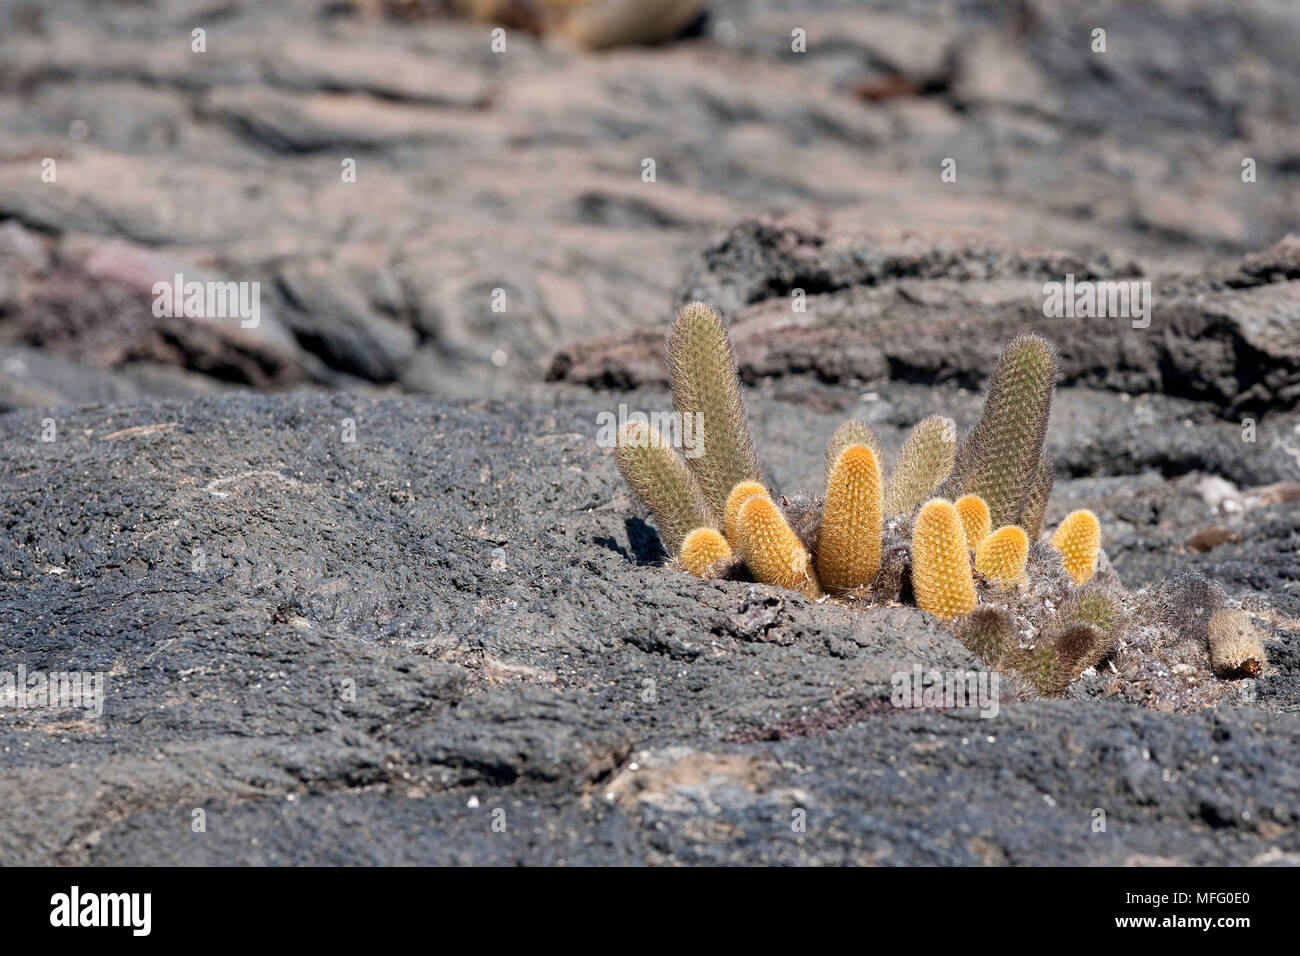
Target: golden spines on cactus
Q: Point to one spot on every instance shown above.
(1235, 647)
(703, 552)
(771, 550)
(975, 520)
(1002, 555)
(659, 477)
(941, 572)
(851, 432)
(706, 386)
(848, 544)
(1079, 540)
(924, 461)
(739, 495)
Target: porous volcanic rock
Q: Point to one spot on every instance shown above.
(370, 651)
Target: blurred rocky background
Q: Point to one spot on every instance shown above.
(522, 171)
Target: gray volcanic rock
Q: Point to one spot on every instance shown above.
(37, 377)
(522, 172)
(924, 309)
(92, 302)
(372, 651)
(367, 628)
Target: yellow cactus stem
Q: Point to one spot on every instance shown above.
(662, 481)
(975, 520)
(743, 491)
(848, 545)
(706, 390)
(771, 550)
(1079, 540)
(852, 432)
(703, 551)
(1002, 555)
(1235, 646)
(941, 571)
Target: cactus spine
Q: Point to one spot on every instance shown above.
(1031, 516)
(848, 548)
(1079, 541)
(703, 552)
(999, 459)
(1041, 666)
(989, 633)
(771, 550)
(1094, 607)
(975, 520)
(851, 432)
(941, 572)
(1002, 555)
(702, 368)
(924, 461)
(657, 476)
(739, 495)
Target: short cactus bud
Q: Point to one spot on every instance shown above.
(1235, 647)
(1002, 555)
(704, 552)
(1078, 646)
(941, 571)
(1041, 666)
(1095, 607)
(975, 520)
(771, 550)
(1079, 541)
(739, 495)
(990, 633)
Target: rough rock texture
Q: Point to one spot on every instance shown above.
(522, 172)
(927, 309)
(353, 625)
(481, 575)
